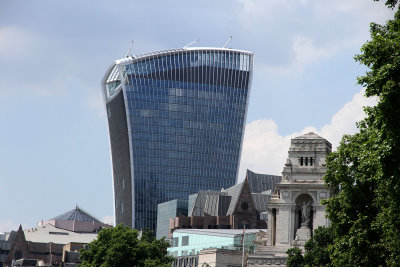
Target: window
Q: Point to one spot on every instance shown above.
(175, 241)
(185, 240)
(306, 161)
(245, 206)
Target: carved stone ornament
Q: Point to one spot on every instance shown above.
(266, 261)
(261, 238)
(276, 194)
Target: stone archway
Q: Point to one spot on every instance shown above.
(304, 215)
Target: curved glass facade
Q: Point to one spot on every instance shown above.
(182, 129)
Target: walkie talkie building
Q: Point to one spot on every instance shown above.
(176, 120)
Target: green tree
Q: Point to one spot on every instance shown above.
(295, 258)
(317, 247)
(364, 172)
(121, 246)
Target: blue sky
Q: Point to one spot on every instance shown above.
(54, 148)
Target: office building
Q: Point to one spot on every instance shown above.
(166, 210)
(176, 120)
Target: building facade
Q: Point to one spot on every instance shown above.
(170, 209)
(237, 207)
(51, 240)
(295, 209)
(176, 121)
(187, 242)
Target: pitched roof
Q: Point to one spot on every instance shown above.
(260, 201)
(199, 202)
(234, 193)
(262, 183)
(77, 214)
(216, 203)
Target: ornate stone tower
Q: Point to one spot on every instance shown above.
(295, 209)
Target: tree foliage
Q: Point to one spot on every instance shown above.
(316, 250)
(121, 246)
(364, 172)
(317, 247)
(295, 258)
(390, 3)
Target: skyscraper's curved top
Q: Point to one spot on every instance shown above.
(176, 121)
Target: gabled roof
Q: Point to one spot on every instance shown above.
(216, 203)
(262, 183)
(200, 202)
(76, 214)
(260, 201)
(234, 193)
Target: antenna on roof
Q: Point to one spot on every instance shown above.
(129, 51)
(191, 43)
(227, 42)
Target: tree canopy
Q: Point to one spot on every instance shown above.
(317, 247)
(295, 258)
(364, 172)
(316, 250)
(121, 246)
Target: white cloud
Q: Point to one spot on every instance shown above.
(108, 220)
(306, 52)
(315, 30)
(265, 150)
(343, 122)
(362, 11)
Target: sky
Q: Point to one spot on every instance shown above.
(54, 146)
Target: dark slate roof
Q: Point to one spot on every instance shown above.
(76, 214)
(262, 183)
(260, 201)
(199, 199)
(216, 203)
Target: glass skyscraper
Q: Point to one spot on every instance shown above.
(176, 120)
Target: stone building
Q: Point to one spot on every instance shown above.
(237, 207)
(47, 242)
(295, 208)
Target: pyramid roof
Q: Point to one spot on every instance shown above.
(76, 214)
